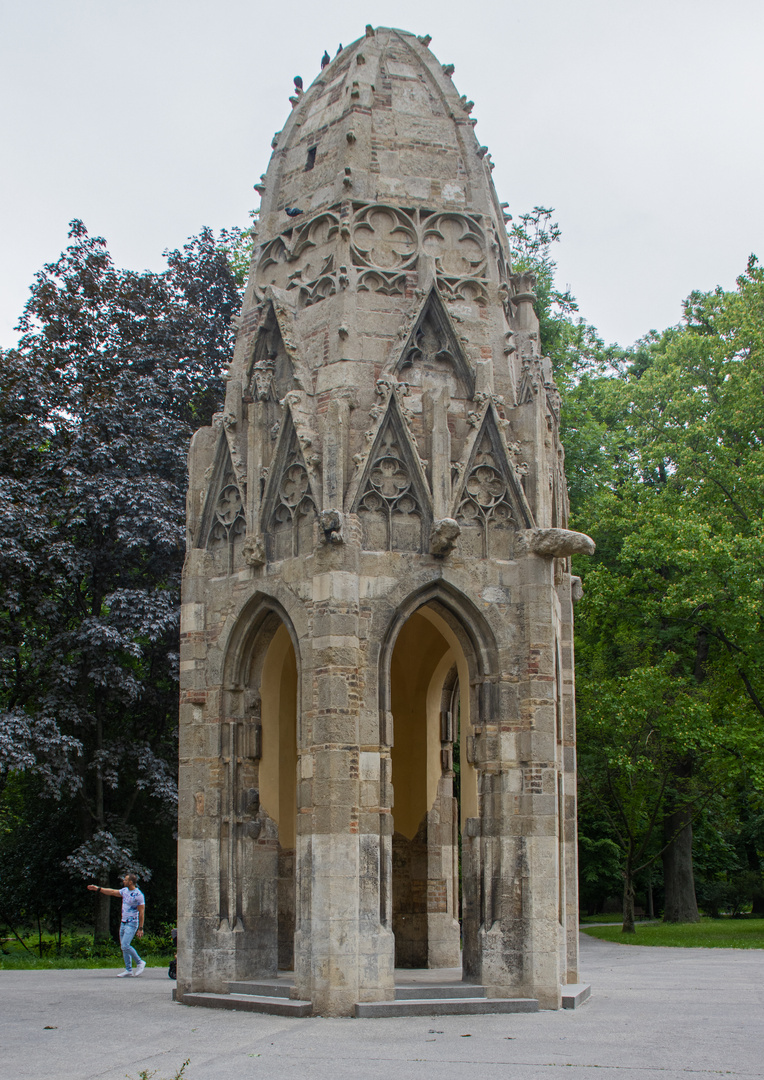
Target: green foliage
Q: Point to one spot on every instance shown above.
(114, 372)
(599, 868)
(238, 245)
(530, 242)
(667, 475)
(664, 454)
(24, 951)
(36, 835)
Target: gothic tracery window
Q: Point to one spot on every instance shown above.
(485, 511)
(229, 524)
(389, 509)
(294, 514)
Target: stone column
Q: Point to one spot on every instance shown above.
(340, 950)
(518, 951)
(569, 809)
(202, 964)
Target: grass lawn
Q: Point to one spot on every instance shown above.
(611, 917)
(25, 962)
(707, 934)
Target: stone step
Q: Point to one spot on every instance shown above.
(575, 994)
(262, 988)
(259, 1003)
(457, 990)
(462, 1006)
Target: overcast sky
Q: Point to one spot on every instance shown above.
(639, 121)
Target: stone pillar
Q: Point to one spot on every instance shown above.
(343, 954)
(442, 900)
(199, 796)
(518, 941)
(569, 810)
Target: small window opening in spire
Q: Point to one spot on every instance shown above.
(311, 158)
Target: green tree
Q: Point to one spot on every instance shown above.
(668, 476)
(113, 373)
(664, 462)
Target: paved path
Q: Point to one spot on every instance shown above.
(672, 1014)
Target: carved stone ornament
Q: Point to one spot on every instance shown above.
(228, 506)
(470, 289)
(389, 283)
(254, 550)
(524, 286)
(443, 536)
(307, 255)
(486, 502)
(531, 380)
(559, 543)
(227, 524)
(384, 238)
(387, 385)
(389, 507)
(457, 244)
(294, 490)
(262, 378)
(313, 292)
(331, 524)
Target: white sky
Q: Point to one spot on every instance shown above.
(639, 121)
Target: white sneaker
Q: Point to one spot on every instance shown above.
(123, 974)
(139, 970)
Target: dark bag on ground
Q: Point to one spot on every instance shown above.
(172, 970)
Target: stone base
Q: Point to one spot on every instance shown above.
(575, 994)
(274, 1006)
(471, 1006)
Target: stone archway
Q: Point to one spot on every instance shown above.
(259, 793)
(433, 698)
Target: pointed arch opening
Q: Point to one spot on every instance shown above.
(258, 831)
(434, 670)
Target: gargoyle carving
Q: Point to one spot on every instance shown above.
(443, 536)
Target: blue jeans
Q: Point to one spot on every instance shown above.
(126, 935)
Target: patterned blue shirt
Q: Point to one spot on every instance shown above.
(131, 901)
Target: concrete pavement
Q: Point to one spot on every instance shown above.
(663, 1013)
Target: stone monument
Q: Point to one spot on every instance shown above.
(377, 742)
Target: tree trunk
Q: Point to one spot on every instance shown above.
(754, 865)
(681, 906)
(102, 904)
(102, 913)
(628, 900)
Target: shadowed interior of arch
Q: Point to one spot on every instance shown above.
(278, 768)
(429, 693)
